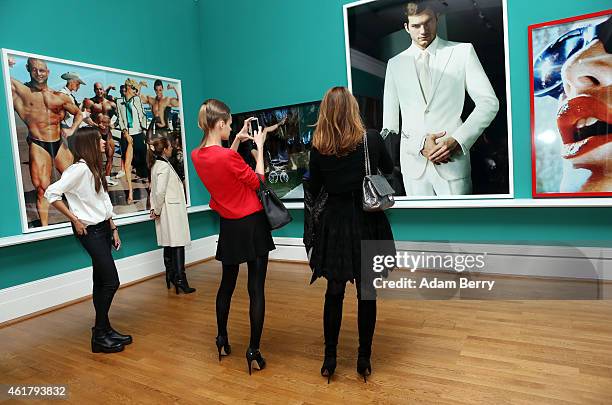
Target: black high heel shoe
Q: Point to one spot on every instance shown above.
(253, 355)
(364, 367)
(223, 346)
(329, 363)
(181, 284)
(102, 343)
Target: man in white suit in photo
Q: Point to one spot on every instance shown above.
(427, 84)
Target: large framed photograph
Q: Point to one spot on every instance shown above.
(287, 147)
(433, 77)
(571, 106)
(49, 99)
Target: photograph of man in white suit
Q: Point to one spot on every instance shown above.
(427, 83)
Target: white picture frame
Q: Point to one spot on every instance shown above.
(446, 201)
(129, 217)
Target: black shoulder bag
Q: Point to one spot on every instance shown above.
(278, 215)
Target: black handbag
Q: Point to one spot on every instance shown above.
(276, 212)
(377, 193)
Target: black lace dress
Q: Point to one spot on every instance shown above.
(335, 223)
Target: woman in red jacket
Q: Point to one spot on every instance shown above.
(244, 232)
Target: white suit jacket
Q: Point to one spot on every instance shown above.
(455, 68)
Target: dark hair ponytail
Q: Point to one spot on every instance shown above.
(155, 149)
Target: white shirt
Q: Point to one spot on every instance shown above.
(418, 54)
(431, 50)
(77, 184)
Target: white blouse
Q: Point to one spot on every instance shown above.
(77, 184)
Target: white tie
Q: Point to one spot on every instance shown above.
(425, 75)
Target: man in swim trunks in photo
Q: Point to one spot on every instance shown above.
(42, 109)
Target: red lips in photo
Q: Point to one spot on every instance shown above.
(583, 123)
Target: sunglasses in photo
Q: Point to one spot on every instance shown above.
(549, 63)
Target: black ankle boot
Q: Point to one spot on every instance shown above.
(168, 266)
(364, 367)
(178, 265)
(119, 337)
(223, 346)
(255, 360)
(101, 342)
(329, 362)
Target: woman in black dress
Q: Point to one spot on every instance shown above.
(337, 168)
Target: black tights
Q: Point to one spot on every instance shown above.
(257, 279)
(332, 317)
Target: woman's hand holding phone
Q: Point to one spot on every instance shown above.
(245, 133)
(260, 138)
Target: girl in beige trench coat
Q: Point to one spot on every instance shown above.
(169, 209)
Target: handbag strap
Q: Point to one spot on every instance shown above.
(262, 184)
(367, 154)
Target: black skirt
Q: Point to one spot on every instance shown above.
(244, 239)
(343, 225)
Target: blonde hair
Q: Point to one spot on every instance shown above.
(129, 82)
(339, 126)
(211, 112)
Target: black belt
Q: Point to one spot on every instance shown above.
(100, 225)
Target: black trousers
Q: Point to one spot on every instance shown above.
(257, 308)
(332, 317)
(97, 243)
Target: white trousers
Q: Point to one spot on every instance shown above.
(432, 184)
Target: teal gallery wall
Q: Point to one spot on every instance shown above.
(258, 54)
(121, 34)
(300, 54)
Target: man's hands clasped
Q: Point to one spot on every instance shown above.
(439, 148)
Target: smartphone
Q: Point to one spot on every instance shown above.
(254, 125)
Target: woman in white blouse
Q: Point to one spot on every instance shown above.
(90, 213)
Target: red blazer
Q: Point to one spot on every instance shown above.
(229, 180)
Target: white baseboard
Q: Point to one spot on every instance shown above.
(35, 296)
(518, 260)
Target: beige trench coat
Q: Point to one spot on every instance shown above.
(168, 201)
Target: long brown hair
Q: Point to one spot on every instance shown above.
(211, 112)
(156, 148)
(87, 147)
(339, 126)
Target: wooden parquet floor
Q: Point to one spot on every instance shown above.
(425, 352)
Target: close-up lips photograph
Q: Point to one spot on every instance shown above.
(572, 106)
